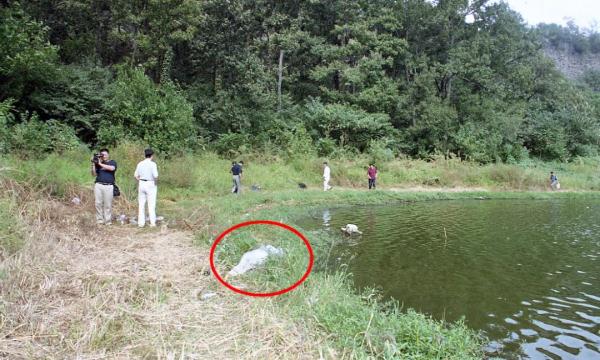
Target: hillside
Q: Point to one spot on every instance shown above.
(572, 64)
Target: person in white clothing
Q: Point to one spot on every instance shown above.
(326, 176)
(146, 173)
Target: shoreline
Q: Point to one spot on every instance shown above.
(338, 320)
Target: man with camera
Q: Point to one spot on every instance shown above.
(104, 170)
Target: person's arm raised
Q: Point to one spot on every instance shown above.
(107, 167)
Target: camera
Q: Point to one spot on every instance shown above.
(96, 159)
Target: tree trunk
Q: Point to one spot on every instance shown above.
(279, 80)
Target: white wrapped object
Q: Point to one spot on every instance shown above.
(254, 258)
(351, 229)
(207, 296)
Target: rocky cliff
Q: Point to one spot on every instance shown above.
(571, 63)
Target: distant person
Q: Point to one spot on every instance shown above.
(554, 184)
(236, 173)
(104, 170)
(372, 174)
(326, 176)
(146, 173)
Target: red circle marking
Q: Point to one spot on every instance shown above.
(261, 222)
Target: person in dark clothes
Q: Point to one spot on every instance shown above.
(554, 185)
(104, 170)
(236, 173)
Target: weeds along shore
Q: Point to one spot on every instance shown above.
(324, 317)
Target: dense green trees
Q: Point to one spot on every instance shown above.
(413, 76)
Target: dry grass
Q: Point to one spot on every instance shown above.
(80, 291)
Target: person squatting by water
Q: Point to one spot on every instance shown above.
(554, 185)
(372, 174)
(236, 174)
(326, 176)
(104, 170)
(146, 173)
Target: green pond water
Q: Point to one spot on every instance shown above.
(525, 273)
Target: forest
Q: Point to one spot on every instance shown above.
(411, 78)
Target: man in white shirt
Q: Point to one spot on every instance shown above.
(146, 173)
(326, 176)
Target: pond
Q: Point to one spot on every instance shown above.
(525, 273)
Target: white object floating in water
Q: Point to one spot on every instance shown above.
(254, 258)
(351, 229)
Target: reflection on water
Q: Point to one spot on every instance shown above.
(326, 218)
(524, 272)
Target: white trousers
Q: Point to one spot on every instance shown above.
(326, 184)
(147, 192)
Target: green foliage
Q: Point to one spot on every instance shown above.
(412, 74)
(592, 79)
(570, 38)
(62, 137)
(295, 142)
(27, 60)
(30, 138)
(158, 115)
(78, 96)
(231, 144)
(6, 118)
(34, 138)
(325, 146)
(348, 125)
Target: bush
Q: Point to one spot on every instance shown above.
(6, 118)
(34, 138)
(348, 125)
(325, 146)
(62, 137)
(158, 115)
(30, 138)
(297, 142)
(379, 151)
(231, 144)
(110, 135)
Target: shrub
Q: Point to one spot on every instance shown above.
(231, 144)
(6, 118)
(325, 146)
(62, 137)
(158, 115)
(297, 142)
(30, 138)
(379, 151)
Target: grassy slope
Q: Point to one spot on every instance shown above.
(195, 189)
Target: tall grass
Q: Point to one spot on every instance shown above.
(208, 174)
(11, 229)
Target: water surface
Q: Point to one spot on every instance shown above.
(526, 273)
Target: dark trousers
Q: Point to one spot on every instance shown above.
(371, 183)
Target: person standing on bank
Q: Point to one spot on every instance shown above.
(372, 173)
(554, 185)
(104, 170)
(326, 176)
(236, 173)
(146, 173)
